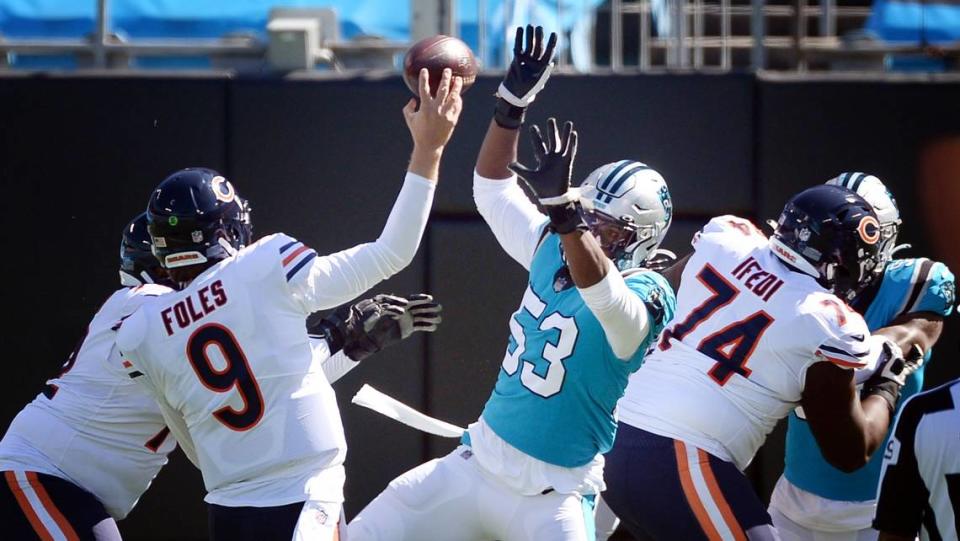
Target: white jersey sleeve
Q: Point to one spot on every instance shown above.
(514, 220)
(729, 230)
(318, 283)
(845, 338)
(620, 311)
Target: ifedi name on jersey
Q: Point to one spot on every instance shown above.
(762, 283)
(185, 312)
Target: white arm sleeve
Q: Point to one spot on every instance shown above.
(514, 220)
(620, 311)
(336, 278)
(334, 366)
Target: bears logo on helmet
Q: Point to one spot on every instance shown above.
(869, 229)
(872, 189)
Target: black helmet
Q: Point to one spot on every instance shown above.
(138, 265)
(195, 217)
(832, 234)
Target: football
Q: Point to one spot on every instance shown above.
(436, 53)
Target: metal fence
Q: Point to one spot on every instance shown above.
(638, 35)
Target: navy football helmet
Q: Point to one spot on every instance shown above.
(876, 193)
(832, 234)
(138, 265)
(195, 217)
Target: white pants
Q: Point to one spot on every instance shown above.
(791, 531)
(452, 499)
(607, 521)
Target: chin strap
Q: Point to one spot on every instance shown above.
(898, 248)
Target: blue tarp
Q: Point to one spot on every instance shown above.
(915, 23)
(214, 18)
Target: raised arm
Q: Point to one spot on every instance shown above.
(325, 282)
(514, 220)
(622, 314)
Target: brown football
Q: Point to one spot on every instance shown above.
(436, 53)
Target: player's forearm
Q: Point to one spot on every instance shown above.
(407, 221)
(336, 366)
(425, 162)
(621, 313)
(338, 277)
(920, 330)
(585, 259)
(498, 150)
(877, 419)
(849, 446)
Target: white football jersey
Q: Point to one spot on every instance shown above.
(733, 361)
(231, 357)
(92, 425)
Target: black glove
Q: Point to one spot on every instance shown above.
(527, 75)
(550, 181)
(891, 374)
(369, 325)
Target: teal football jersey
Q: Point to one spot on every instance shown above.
(908, 286)
(560, 381)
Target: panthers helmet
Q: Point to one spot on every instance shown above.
(873, 190)
(627, 206)
(195, 217)
(138, 265)
(831, 234)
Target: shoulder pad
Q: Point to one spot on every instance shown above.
(929, 285)
(832, 314)
(729, 224)
(266, 255)
(132, 331)
(150, 290)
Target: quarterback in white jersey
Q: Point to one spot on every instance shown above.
(228, 357)
(79, 456)
(761, 327)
